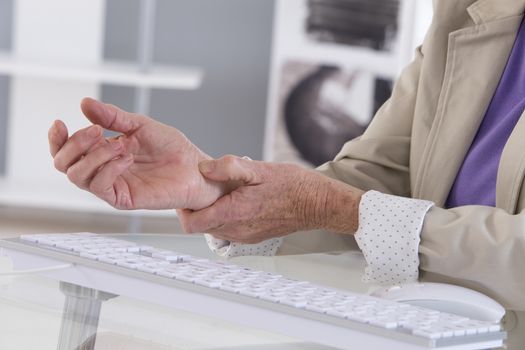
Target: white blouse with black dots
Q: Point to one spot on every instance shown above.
(388, 235)
(229, 249)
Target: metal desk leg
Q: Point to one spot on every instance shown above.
(80, 318)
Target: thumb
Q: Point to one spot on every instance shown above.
(230, 168)
(110, 117)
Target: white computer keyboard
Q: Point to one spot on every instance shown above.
(418, 325)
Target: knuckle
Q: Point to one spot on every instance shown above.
(59, 164)
(229, 160)
(252, 176)
(110, 149)
(73, 175)
(95, 188)
(81, 139)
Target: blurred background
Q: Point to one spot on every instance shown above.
(280, 80)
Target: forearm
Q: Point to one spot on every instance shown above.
(325, 203)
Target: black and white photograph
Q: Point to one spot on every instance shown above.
(321, 107)
(334, 64)
(366, 23)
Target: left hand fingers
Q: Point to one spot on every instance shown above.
(106, 186)
(57, 136)
(85, 169)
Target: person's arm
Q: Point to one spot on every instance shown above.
(479, 247)
(273, 201)
(475, 246)
(377, 160)
(149, 165)
(278, 199)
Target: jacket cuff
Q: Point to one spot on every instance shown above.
(229, 249)
(388, 235)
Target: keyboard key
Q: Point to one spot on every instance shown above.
(30, 238)
(495, 328)
(427, 334)
(165, 273)
(384, 323)
(208, 283)
(298, 303)
(127, 264)
(146, 268)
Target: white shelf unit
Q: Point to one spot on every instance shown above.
(107, 72)
(57, 60)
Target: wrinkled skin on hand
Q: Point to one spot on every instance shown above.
(150, 165)
(272, 200)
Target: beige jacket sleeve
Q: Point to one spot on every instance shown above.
(479, 247)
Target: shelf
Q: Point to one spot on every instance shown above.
(64, 197)
(108, 72)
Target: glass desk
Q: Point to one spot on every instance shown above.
(41, 313)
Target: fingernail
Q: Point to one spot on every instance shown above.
(94, 131)
(56, 126)
(206, 166)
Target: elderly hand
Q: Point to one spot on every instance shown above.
(272, 200)
(149, 166)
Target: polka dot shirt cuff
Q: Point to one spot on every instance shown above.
(229, 249)
(389, 235)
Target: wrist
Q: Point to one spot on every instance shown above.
(325, 203)
(343, 208)
(311, 201)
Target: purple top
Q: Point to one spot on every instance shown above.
(475, 183)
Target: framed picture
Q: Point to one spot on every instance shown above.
(321, 107)
(334, 63)
(362, 23)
